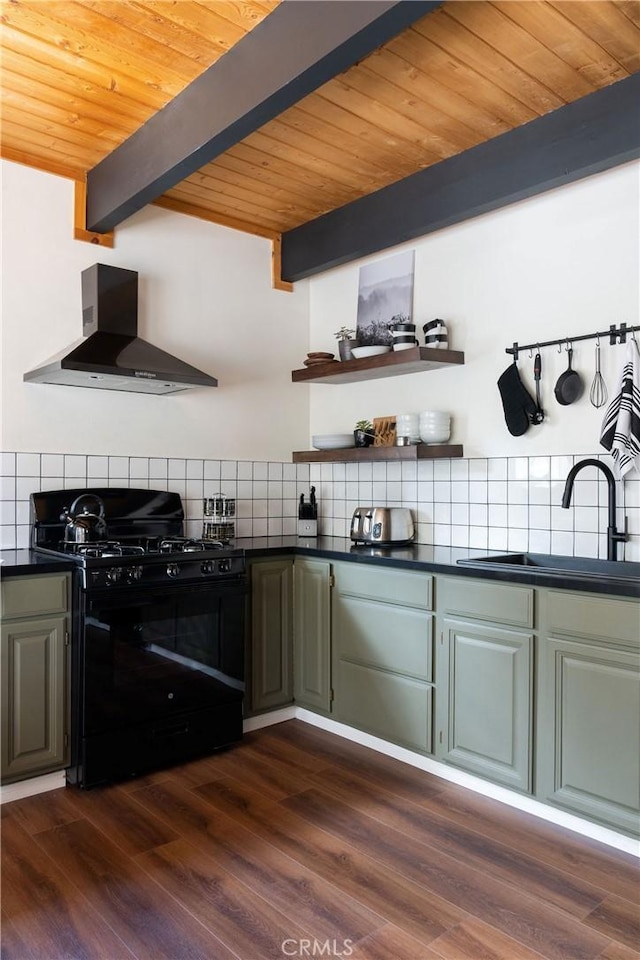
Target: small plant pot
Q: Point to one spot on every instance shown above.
(345, 347)
(362, 438)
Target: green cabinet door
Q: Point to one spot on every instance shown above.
(312, 634)
(484, 683)
(271, 633)
(589, 732)
(33, 697)
(588, 729)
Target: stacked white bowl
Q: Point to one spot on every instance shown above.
(435, 426)
(408, 425)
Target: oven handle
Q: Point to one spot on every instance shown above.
(146, 596)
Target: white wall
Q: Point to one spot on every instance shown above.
(561, 264)
(205, 295)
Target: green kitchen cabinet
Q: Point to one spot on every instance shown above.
(271, 633)
(312, 634)
(484, 677)
(588, 736)
(34, 687)
(383, 653)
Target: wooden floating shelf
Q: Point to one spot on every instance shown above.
(393, 364)
(419, 451)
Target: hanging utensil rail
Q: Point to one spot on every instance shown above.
(615, 334)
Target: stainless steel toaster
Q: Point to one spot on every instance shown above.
(382, 525)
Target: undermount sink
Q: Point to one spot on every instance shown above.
(551, 564)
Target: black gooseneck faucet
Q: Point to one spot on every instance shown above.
(614, 536)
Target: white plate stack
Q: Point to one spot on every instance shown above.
(408, 425)
(435, 426)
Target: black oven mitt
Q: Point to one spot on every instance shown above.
(519, 406)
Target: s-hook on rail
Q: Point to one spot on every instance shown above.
(615, 334)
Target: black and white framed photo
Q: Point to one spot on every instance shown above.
(385, 295)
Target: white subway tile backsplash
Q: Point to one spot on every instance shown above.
(478, 514)
(195, 469)
(460, 502)
(539, 517)
(195, 489)
(25, 486)
(7, 488)
(518, 468)
(478, 470)
(22, 512)
(97, 467)
(158, 468)
(498, 515)
(8, 537)
(497, 491)
(261, 471)
(459, 470)
(7, 512)
(28, 465)
(177, 470)
(211, 469)
(478, 491)
(8, 465)
(497, 468)
(518, 540)
(518, 514)
(75, 466)
(460, 514)
(540, 541)
(52, 465)
(459, 491)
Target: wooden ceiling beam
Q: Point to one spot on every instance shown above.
(595, 133)
(292, 52)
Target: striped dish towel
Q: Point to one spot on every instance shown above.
(621, 425)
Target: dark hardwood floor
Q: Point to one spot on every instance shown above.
(296, 843)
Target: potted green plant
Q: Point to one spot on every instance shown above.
(346, 340)
(363, 434)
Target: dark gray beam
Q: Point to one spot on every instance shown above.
(588, 136)
(293, 51)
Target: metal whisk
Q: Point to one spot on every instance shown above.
(598, 394)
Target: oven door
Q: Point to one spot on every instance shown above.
(150, 655)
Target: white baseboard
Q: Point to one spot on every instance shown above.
(268, 719)
(29, 788)
(527, 804)
(53, 781)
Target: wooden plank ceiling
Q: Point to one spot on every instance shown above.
(79, 76)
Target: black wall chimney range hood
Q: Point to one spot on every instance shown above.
(113, 356)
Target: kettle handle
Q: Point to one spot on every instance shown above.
(70, 513)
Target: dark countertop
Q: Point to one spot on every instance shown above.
(433, 559)
(418, 556)
(19, 563)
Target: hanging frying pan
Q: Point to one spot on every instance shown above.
(569, 387)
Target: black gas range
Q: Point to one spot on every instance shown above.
(144, 545)
(157, 671)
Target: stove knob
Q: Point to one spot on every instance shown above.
(173, 569)
(208, 566)
(134, 574)
(113, 575)
(225, 566)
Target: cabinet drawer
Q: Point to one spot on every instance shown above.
(379, 635)
(594, 617)
(496, 602)
(384, 583)
(395, 708)
(34, 596)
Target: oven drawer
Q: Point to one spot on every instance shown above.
(129, 752)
